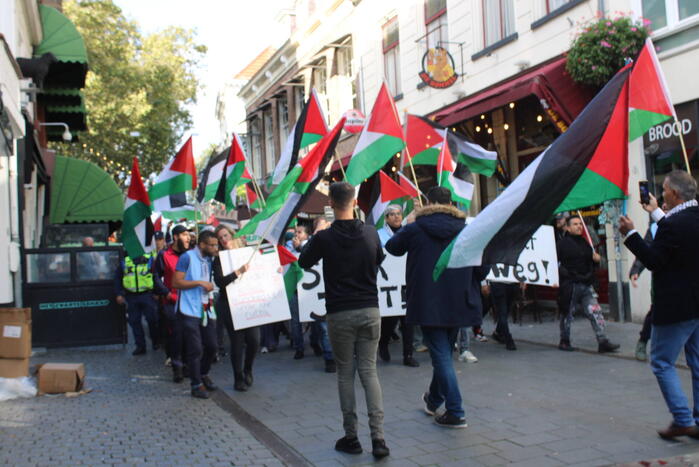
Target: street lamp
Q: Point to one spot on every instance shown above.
(67, 136)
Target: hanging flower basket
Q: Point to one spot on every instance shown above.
(602, 48)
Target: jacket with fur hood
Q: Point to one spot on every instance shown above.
(454, 300)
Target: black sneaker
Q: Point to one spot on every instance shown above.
(208, 384)
(139, 351)
(247, 377)
(298, 355)
(348, 445)
(379, 448)
(450, 421)
(199, 392)
(429, 409)
(240, 386)
(566, 347)
(317, 351)
(410, 361)
(384, 354)
(330, 366)
(177, 376)
(605, 346)
(510, 344)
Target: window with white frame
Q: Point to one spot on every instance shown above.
(391, 56)
(553, 5)
(283, 118)
(437, 33)
(269, 141)
(343, 59)
(256, 137)
(498, 20)
(669, 13)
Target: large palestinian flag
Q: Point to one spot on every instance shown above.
(424, 140)
(169, 193)
(234, 174)
(649, 98)
(291, 270)
(286, 200)
(210, 177)
(309, 129)
(384, 192)
(454, 176)
(499, 233)
(380, 139)
(407, 185)
(137, 227)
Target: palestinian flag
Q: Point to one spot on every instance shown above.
(286, 200)
(380, 139)
(499, 233)
(251, 197)
(291, 270)
(309, 129)
(234, 174)
(158, 224)
(454, 176)
(407, 185)
(210, 177)
(137, 227)
(384, 192)
(169, 193)
(424, 140)
(649, 98)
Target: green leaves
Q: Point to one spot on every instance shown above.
(602, 48)
(137, 89)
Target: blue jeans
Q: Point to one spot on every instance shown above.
(140, 306)
(444, 387)
(666, 344)
(296, 331)
(464, 339)
(319, 335)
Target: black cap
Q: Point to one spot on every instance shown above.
(178, 229)
(159, 235)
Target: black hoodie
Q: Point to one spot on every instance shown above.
(351, 254)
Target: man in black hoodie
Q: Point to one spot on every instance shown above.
(440, 307)
(351, 254)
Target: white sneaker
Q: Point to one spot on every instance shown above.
(467, 356)
(168, 362)
(264, 350)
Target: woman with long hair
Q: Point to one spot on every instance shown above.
(250, 337)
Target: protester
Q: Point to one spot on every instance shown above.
(464, 346)
(351, 254)
(165, 265)
(134, 287)
(242, 362)
(193, 277)
(504, 297)
(673, 256)
(443, 306)
(393, 218)
(160, 244)
(560, 228)
(576, 260)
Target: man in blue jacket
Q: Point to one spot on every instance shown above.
(441, 307)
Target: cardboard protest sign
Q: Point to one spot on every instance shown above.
(258, 297)
(390, 284)
(537, 264)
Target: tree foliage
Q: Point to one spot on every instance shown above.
(137, 89)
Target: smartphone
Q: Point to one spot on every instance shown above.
(644, 191)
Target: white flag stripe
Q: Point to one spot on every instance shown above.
(282, 167)
(474, 150)
(462, 188)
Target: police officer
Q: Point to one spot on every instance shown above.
(135, 287)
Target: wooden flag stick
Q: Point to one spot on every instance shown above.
(684, 148)
(257, 188)
(587, 232)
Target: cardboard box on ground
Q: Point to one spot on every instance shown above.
(57, 378)
(15, 341)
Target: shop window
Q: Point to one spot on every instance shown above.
(96, 265)
(436, 24)
(48, 267)
(498, 20)
(391, 56)
(534, 130)
(669, 13)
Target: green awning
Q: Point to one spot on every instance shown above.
(60, 97)
(82, 192)
(62, 39)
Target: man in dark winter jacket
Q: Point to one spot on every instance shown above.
(577, 273)
(441, 307)
(351, 254)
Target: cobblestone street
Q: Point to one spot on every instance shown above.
(536, 406)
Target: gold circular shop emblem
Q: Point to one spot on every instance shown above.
(438, 68)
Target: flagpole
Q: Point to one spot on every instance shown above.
(256, 187)
(410, 159)
(585, 228)
(684, 148)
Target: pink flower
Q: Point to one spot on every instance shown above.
(634, 29)
(646, 22)
(609, 23)
(605, 44)
(593, 67)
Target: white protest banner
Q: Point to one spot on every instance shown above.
(537, 264)
(390, 284)
(258, 297)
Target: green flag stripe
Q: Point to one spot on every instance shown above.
(134, 215)
(590, 189)
(479, 165)
(309, 138)
(210, 190)
(640, 121)
(426, 157)
(367, 162)
(177, 184)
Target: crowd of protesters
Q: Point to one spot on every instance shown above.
(180, 291)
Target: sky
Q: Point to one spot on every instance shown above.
(234, 31)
